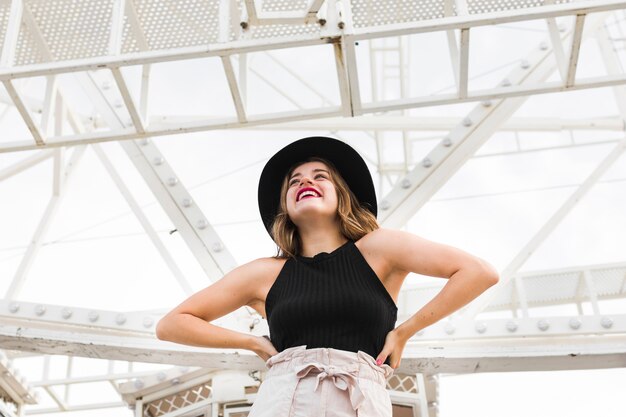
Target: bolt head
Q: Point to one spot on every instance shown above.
(511, 326)
(606, 322)
(93, 316)
(120, 319)
(543, 325)
(66, 313)
(481, 327)
(575, 323)
(40, 309)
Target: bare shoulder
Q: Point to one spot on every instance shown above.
(265, 267)
(264, 272)
(244, 285)
(405, 251)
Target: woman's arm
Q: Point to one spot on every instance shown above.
(188, 323)
(468, 276)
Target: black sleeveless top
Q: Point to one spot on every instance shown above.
(332, 300)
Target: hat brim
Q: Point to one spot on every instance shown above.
(346, 159)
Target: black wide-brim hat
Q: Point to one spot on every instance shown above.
(346, 159)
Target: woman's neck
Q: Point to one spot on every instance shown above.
(319, 240)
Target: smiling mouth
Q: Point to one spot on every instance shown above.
(308, 194)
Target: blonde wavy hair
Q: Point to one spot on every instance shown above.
(355, 221)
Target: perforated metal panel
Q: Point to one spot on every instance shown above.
(74, 29)
(551, 287)
(173, 24)
(71, 29)
(486, 6)
(402, 383)
(610, 281)
(177, 401)
(5, 8)
(378, 13)
(284, 5)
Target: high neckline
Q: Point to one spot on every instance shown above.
(323, 255)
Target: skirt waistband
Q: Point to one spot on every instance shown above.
(329, 360)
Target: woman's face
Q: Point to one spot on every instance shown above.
(311, 193)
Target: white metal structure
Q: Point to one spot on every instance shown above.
(86, 80)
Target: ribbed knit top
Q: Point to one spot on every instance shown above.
(332, 300)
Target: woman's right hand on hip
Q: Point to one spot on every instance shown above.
(264, 348)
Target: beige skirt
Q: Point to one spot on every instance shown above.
(323, 382)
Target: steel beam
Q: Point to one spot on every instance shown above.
(145, 223)
(447, 354)
(12, 33)
(35, 244)
(477, 305)
(189, 220)
(409, 194)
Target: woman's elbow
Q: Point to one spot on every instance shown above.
(486, 273)
(490, 274)
(161, 328)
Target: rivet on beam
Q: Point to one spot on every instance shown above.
(606, 322)
(120, 319)
(481, 327)
(575, 323)
(66, 313)
(511, 326)
(93, 316)
(40, 309)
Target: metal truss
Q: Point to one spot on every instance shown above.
(528, 290)
(342, 29)
(126, 33)
(421, 183)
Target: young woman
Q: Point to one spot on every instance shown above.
(330, 293)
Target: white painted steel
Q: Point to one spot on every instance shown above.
(558, 348)
(190, 222)
(21, 273)
(423, 181)
(145, 223)
(11, 35)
